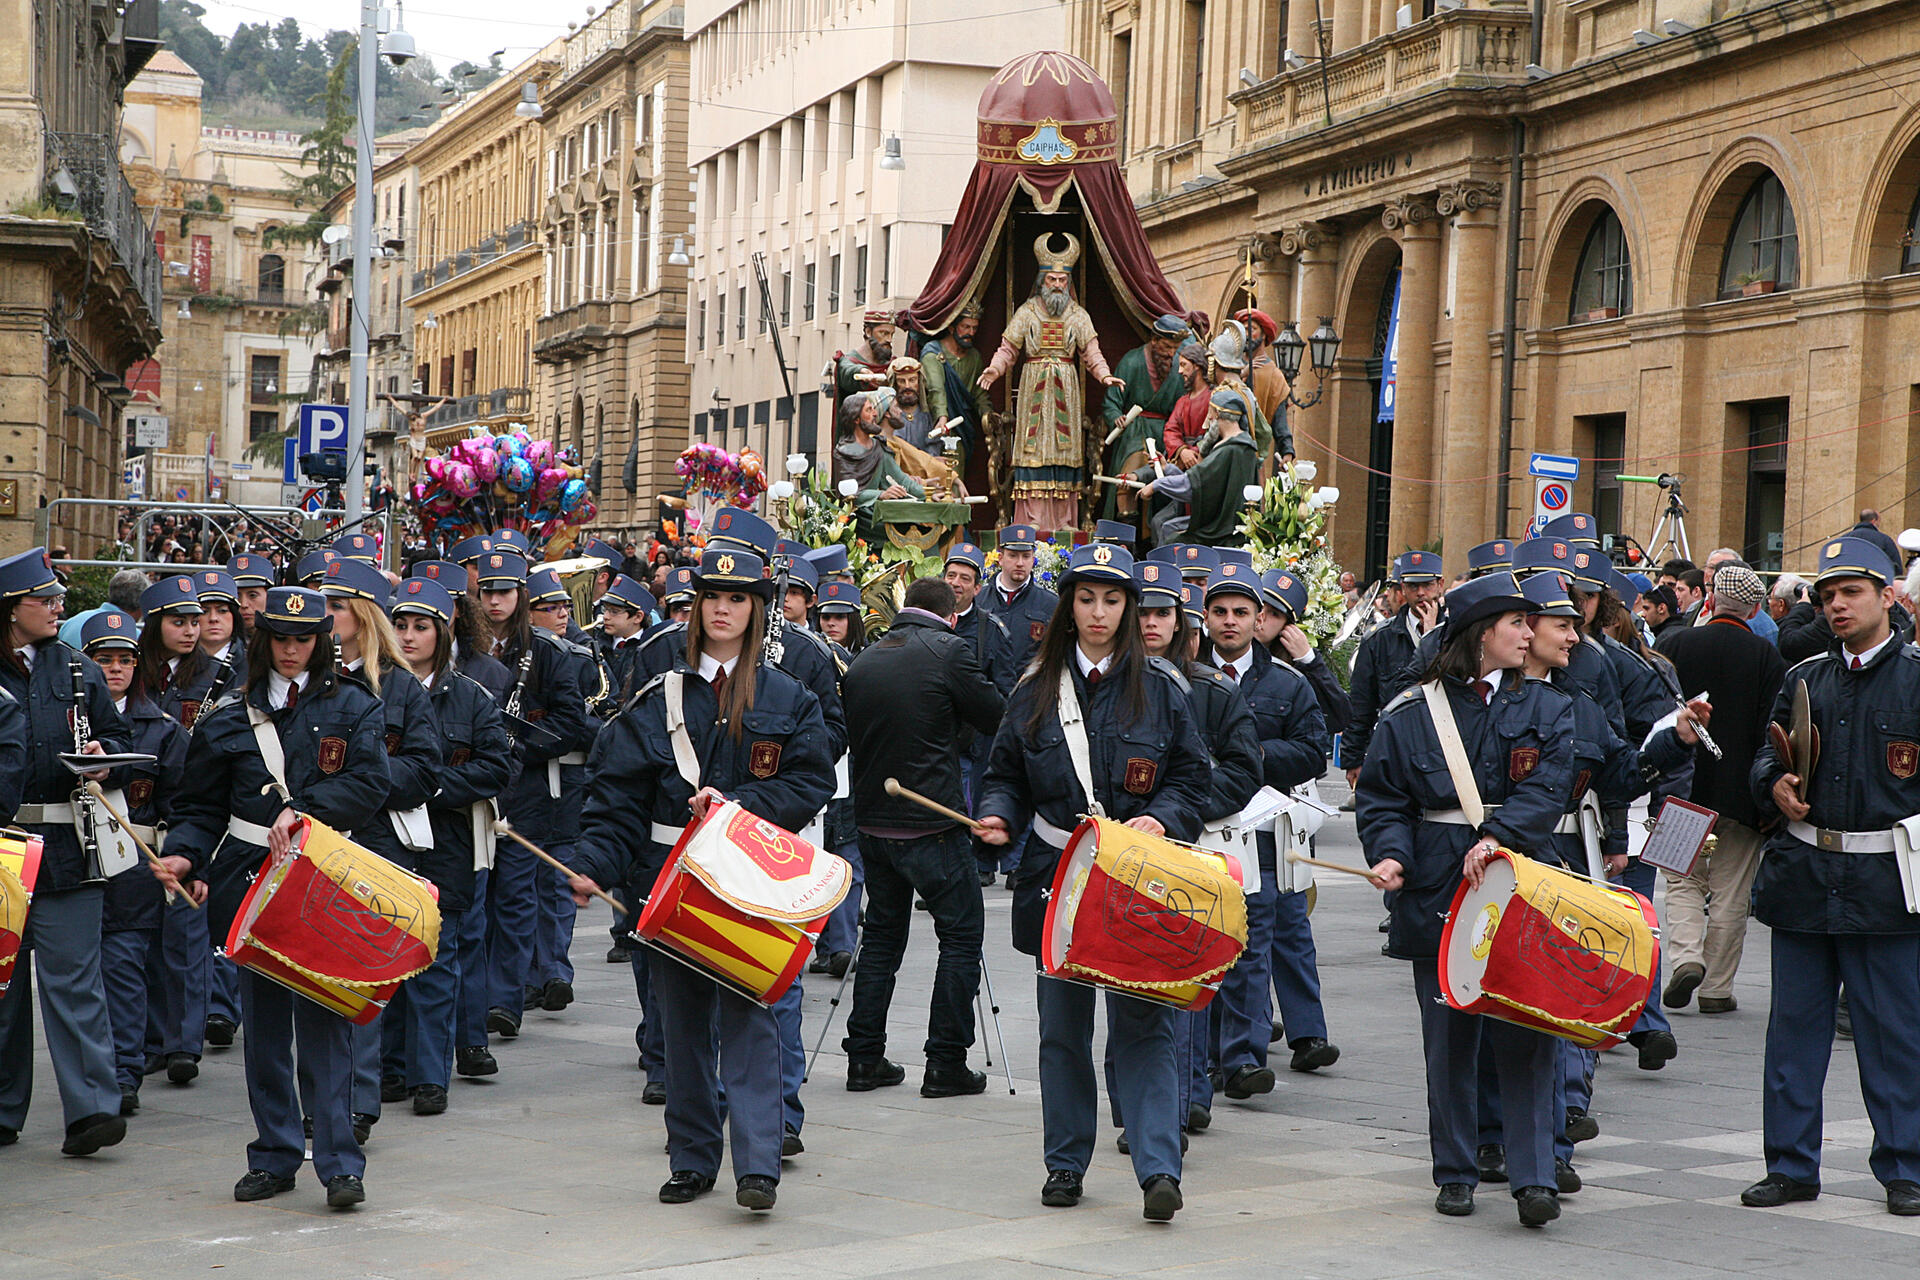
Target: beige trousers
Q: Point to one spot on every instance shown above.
(1713, 936)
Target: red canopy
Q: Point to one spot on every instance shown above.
(1048, 153)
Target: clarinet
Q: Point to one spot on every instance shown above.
(775, 648)
(519, 685)
(82, 802)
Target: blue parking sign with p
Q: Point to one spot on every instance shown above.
(322, 427)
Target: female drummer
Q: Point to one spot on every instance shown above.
(1149, 769)
(760, 740)
(230, 815)
(1517, 739)
(367, 651)
(417, 1026)
(172, 667)
(136, 906)
(1227, 727)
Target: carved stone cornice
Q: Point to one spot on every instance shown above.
(1408, 211)
(1467, 195)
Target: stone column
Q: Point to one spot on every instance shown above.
(1472, 440)
(1349, 24)
(1302, 37)
(1414, 452)
(1317, 246)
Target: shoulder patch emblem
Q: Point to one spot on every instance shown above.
(1903, 758)
(1521, 762)
(333, 754)
(1140, 776)
(764, 760)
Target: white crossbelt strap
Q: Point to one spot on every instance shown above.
(1842, 841)
(1456, 753)
(685, 758)
(251, 832)
(1049, 833)
(486, 839)
(553, 770)
(664, 834)
(1074, 725)
(271, 752)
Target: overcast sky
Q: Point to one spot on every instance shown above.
(447, 31)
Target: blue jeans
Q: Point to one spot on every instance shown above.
(843, 926)
(939, 865)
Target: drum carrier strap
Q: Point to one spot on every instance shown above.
(1074, 725)
(272, 754)
(1455, 751)
(685, 758)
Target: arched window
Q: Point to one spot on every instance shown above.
(1910, 239)
(1764, 249)
(1603, 279)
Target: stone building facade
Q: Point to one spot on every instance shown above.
(1669, 238)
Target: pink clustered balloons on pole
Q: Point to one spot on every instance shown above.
(714, 478)
(508, 481)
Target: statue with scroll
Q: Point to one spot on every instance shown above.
(1049, 426)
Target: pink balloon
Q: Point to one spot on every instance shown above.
(540, 454)
(549, 484)
(486, 465)
(461, 481)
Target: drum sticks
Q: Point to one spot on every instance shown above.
(120, 821)
(506, 829)
(893, 788)
(1365, 873)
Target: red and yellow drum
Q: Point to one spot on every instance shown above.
(743, 900)
(1542, 948)
(1143, 916)
(19, 870)
(336, 923)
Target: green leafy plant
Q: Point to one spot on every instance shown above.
(1287, 529)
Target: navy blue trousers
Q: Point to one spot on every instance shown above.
(842, 929)
(417, 1028)
(280, 1028)
(551, 961)
(743, 1057)
(1881, 973)
(470, 999)
(513, 922)
(1527, 1065)
(1146, 1078)
(123, 970)
(60, 949)
(1281, 960)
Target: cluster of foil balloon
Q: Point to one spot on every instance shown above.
(509, 481)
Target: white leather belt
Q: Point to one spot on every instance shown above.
(666, 835)
(1569, 825)
(574, 757)
(1842, 841)
(251, 832)
(44, 814)
(1454, 817)
(1049, 833)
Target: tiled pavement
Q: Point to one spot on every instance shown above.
(549, 1170)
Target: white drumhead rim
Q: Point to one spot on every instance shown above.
(1479, 916)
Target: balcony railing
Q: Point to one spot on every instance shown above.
(106, 201)
(499, 402)
(1459, 48)
(581, 328)
(490, 250)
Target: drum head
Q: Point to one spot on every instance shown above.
(1069, 883)
(1471, 925)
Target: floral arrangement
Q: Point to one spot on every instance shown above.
(1285, 528)
(509, 481)
(714, 478)
(1049, 562)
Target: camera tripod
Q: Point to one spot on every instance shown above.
(1669, 537)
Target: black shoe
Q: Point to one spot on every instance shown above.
(1198, 1117)
(1455, 1200)
(1777, 1189)
(1386, 949)
(362, 1128)
(1313, 1053)
(685, 1187)
(429, 1100)
(532, 998)
(156, 1063)
(863, 1077)
(1244, 1082)
(1718, 1004)
(258, 1184)
(1161, 1195)
(756, 1191)
(1680, 988)
(839, 962)
(955, 1081)
(618, 954)
(182, 1068)
(1387, 923)
(1566, 1178)
(345, 1191)
(1581, 1127)
(475, 1060)
(1349, 805)
(8, 1136)
(817, 965)
(1657, 1049)
(90, 1133)
(556, 995)
(220, 1031)
(1062, 1191)
(1903, 1198)
(393, 1089)
(1538, 1206)
(790, 1144)
(986, 879)
(920, 904)
(503, 1023)
(1491, 1161)
(655, 1094)
(1274, 1032)
(129, 1100)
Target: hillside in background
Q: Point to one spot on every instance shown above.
(273, 76)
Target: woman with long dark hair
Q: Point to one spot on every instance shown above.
(1517, 736)
(417, 1027)
(759, 739)
(1148, 768)
(172, 667)
(231, 815)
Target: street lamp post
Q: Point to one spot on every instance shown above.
(1320, 348)
(369, 62)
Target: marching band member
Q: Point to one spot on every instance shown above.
(676, 605)
(220, 635)
(470, 639)
(136, 906)
(838, 614)
(231, 814)
(1830, 889)
(759, 739)
(966, 572)
(252, 577)
(476, 763)
(1024, 608)
(1145, 766)
(546, 715)
(626, 610)
(368, 651)
(171, 663)
(61, 941)
(1390, 650)
(1517, 737)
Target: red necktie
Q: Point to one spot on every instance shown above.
(1233, 673)
(293, 695)
(1483, 691)
(719, 683)
(1093, 677)
(1856, 662)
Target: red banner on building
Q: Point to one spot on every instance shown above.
(202, 265)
